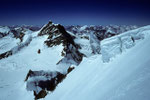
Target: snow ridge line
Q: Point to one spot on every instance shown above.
(16, 49)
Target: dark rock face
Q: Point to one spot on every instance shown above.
(46, 81)
(19, 35)
(57, 35)
(103, 34)
(41, 94)
(70, 69)
(39, 51)
(5, 54)
(52, 79)
(2, 35)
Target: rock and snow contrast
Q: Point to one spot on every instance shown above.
(74, 63)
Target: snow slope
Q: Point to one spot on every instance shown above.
(127, 77)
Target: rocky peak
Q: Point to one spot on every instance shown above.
(57, 35)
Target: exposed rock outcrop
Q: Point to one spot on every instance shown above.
(40, 82)
(57, 35)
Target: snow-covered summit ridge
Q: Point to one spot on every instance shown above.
(57, 35)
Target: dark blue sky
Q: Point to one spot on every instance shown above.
(73, 12)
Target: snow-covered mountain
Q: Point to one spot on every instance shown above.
(82, 63)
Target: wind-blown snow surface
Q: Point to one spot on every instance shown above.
(127, 77)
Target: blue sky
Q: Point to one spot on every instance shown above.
(73, 12)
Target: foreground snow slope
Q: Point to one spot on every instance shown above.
(127, 77)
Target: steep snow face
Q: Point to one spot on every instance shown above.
(116, 45)
(127, 77)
